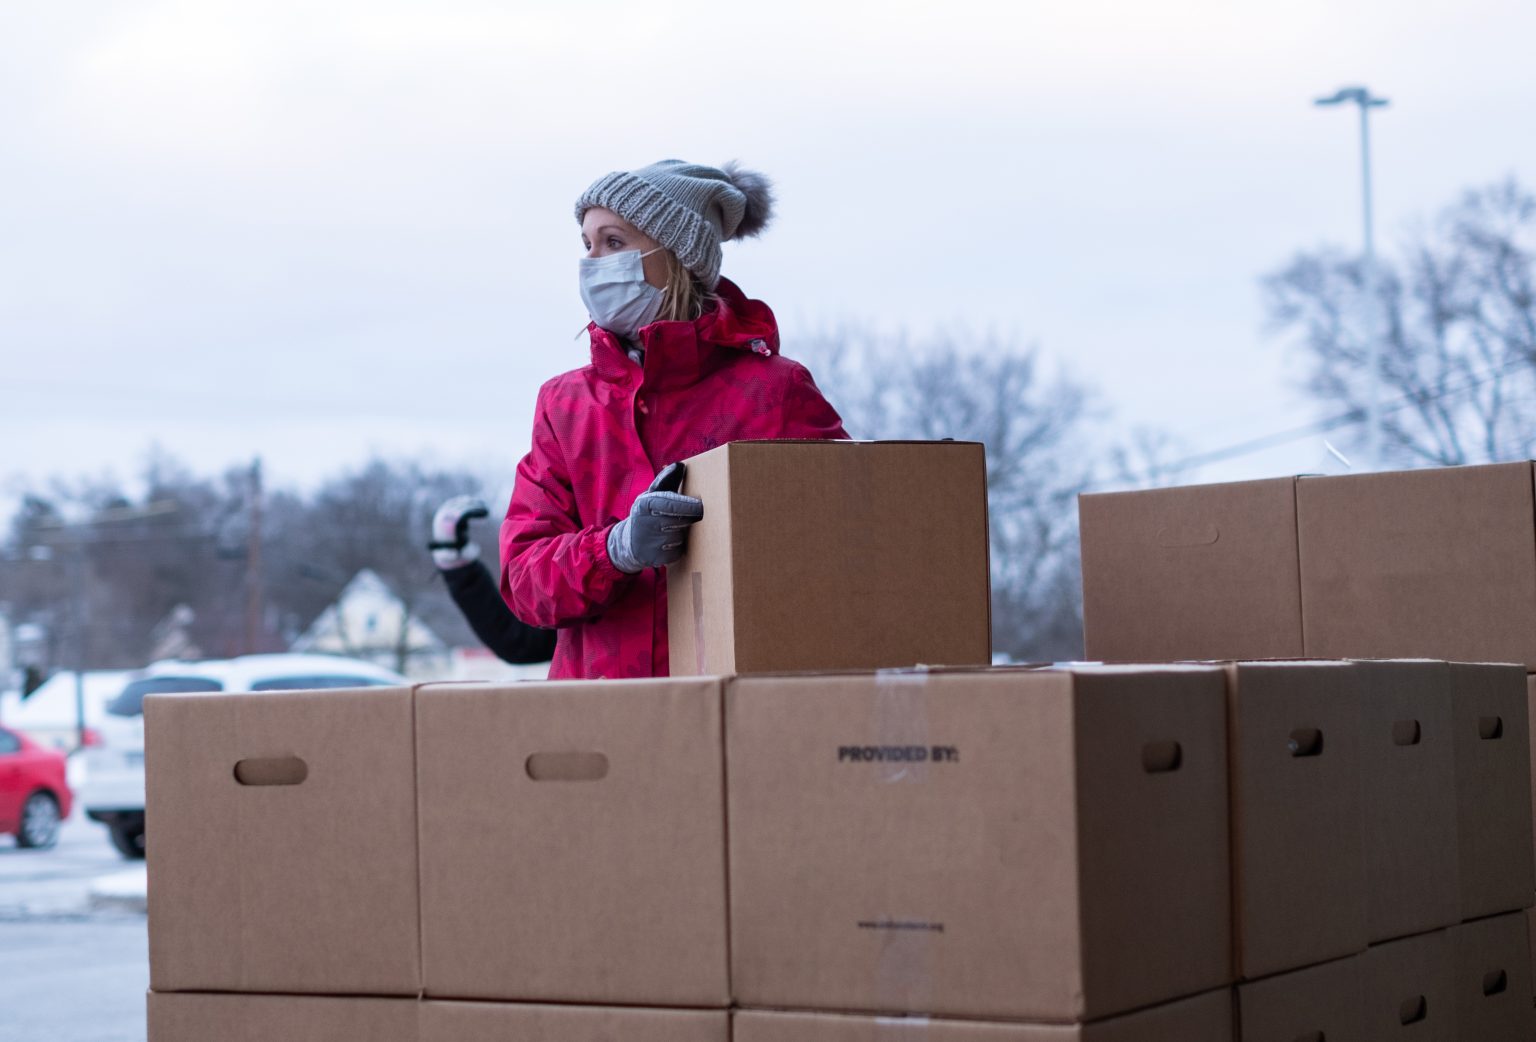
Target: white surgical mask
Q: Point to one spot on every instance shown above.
(616, 294)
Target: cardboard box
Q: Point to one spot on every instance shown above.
(1530, 930)
(205, 1017)
(501, 1022)
(1413, 564)
(1412, 846)
(1311, 1005)
(1206, 1018)
(1009, 844)
(1299, 882)
(1207, 572)
(1409, 990)
(1493, 788)
(1420, 564)
(573, 842)
(832, 555)
(1493, 979)
(283, 856)
(1530, 704)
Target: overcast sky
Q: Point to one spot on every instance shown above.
(312, 231)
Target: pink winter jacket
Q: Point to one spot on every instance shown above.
(600, 434)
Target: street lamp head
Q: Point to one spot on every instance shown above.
(1359, 95)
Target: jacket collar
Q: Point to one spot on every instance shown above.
(680, 353)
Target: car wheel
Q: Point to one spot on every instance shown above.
(128, 838)
(39, 822)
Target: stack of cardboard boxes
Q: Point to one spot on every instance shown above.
(1381, 850)
(1017, 855)
(454, 862)
(1437, 563)
(1161, 853)
(1024, 850)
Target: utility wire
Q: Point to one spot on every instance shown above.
(1323, 426)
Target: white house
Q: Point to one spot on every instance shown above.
(368, 621)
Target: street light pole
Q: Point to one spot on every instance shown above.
(1362, 97)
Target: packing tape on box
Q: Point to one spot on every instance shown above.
(904, 974)
(901, 724)
(901, 1027)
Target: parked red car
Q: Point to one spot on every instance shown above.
(34, 797)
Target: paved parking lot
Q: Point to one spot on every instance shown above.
(74, 954)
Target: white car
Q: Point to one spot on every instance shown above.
(113, 789)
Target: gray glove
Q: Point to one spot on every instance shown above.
(657, 526)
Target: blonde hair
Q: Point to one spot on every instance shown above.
(684, 298)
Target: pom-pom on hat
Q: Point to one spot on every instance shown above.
(687, 207)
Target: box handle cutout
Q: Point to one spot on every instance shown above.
(1406, 732)
(1495, 982)
(1413, 1010)
(1311, 1036)
(1306, 741)
(567, 766)
(1170, 538)
(1490, 728)
(1161, 757)
(278, 770)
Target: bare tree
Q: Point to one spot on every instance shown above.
(1151, 458)
(98, 571)
(374, 517)
(991, 390)
(1456, 316)
(101, 570)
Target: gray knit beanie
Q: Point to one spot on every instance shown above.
(688, 208)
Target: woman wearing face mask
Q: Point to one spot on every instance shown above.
(682, 361)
